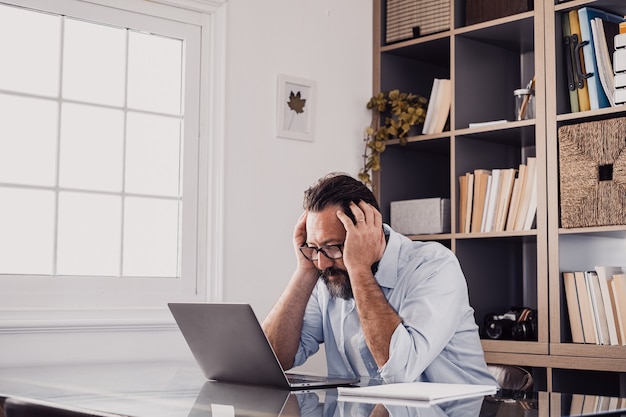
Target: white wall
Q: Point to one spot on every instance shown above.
(328, 41)
(323, 40)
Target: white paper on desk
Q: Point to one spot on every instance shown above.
(430, 392)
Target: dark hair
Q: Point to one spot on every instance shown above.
(337, 189)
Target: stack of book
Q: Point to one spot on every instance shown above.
(619, 65)
(438, 106)
(595, 30)
(585, 404)
(596, 305)
(498, 200)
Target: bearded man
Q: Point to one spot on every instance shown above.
(384, 306)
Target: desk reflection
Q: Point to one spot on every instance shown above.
(218, 399)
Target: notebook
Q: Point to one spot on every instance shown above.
(229, 345)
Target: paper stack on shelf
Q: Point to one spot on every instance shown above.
(619, 67)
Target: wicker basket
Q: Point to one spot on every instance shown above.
(407, 19)
(592, 165)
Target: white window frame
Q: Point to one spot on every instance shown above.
(39, 306)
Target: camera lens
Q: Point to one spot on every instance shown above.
(520, 331)
(494, 330)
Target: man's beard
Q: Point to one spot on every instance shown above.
(337, 287)
(342, 287)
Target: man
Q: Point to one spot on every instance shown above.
(383, 305)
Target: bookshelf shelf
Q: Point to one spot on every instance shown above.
(486, 62)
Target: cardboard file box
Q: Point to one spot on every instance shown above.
(423, 216)
(592, 173)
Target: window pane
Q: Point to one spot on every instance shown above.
(92, 142)
(37, 71)
(94, 63)
(153, 146)
(89, 234)
(26, 231)
(154, 73)
(151, 237)
(28, 149)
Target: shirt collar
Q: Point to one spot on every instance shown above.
(386, 276)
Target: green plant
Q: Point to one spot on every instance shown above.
(393, 115)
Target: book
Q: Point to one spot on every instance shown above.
(570, 63)
(581, 86)
(576, 405)
(573, 309)
(605, 276)
(468, 203)
(619, 41)
(462, 201)
(589, 404)
(444, 102)
(597, 306)
(483, 224)
(531, 210)
(525, 196)
(516, 197)
(489, 123)
(431, 392)
(586, 313)
(620, 96)
(618, 285)
(481, 179)
(603, 34)
(597, 97)
(431, 110)
(507, 178)
(492, 201)
(619, 60)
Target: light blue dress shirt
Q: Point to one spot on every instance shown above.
(437, 340)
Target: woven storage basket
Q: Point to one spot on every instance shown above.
(425, 16)
(592, 165)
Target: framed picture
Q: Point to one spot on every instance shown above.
(296, 108)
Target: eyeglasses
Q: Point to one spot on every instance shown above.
(330, 251)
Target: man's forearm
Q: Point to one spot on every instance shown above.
(378, 319)
(283, 325)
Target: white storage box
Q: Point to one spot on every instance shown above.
(423, 216)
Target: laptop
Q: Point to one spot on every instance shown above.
(229, 345)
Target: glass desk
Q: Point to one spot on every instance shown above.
(180, 390)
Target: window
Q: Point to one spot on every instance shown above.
(101, 190)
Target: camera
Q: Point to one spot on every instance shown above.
(519, 323)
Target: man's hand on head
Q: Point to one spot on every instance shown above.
(365, 239)
(299, 239)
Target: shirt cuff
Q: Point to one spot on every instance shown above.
(398, 348)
